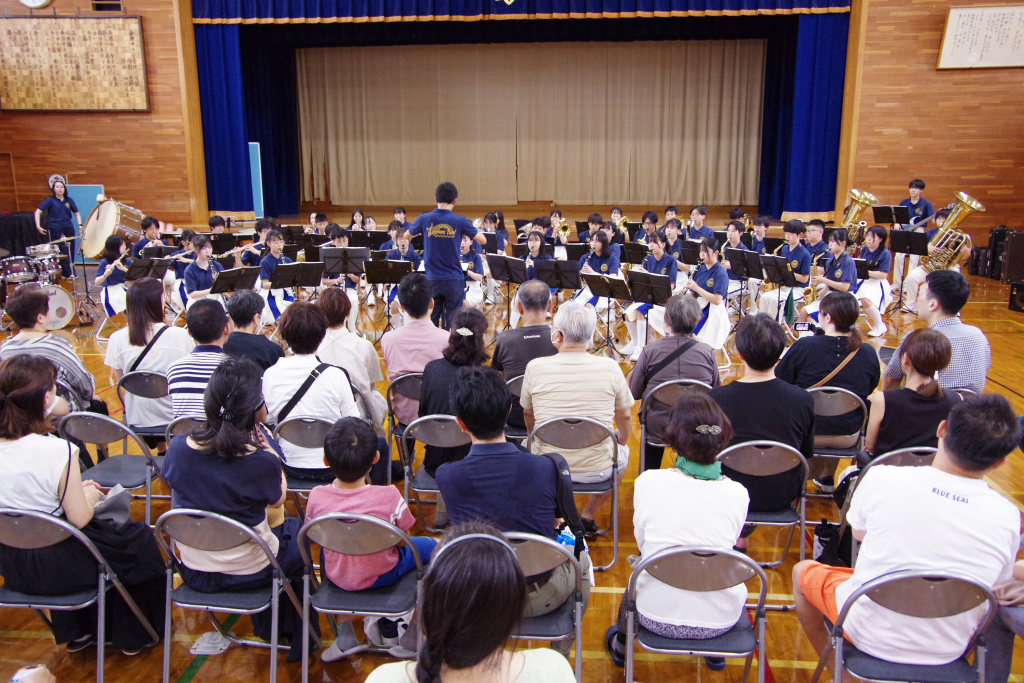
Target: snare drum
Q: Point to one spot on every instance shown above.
(47, 265)
(18, 269)
(41, 251)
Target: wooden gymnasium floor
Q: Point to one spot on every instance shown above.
(23, 639)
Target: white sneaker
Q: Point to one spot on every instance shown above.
(629, 348)
(878, 331)
(636, 354)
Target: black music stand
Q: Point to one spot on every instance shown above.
(862, 270)
(379, 255)
(611, 288)
(491, 245)
(752, 264)
(523, 249)
(147, 267)
(507, 270)
(158, 250)
(909, 243)
(288, 275)
(369, 239)
(220, 241)
(634, 253)
(893, 215)
(574, 251)
(416, 242)
(778, 271)
(390, 274)
(738, 266)
(345, 260)
(558, 274)
(649, 288)
(690, 252)
(236, 279)
(581, 227)
(291, 251)
(632, 227)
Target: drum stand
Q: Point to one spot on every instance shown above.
(86, 308)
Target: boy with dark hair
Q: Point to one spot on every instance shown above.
(815, 245)
(350, 450)
(773, 302)
(207, 322)
(920, 208)
(594, 222)
(737, 214)
(254, 252)
(320, 221)
(760, 226)
(943, 517)
(697, 230)
(151, 235)
(217, 224)
(245, 308)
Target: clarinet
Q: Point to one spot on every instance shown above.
(587, 262)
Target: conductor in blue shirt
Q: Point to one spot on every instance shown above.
(60, 208)
(442, 232)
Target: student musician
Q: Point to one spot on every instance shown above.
(710, 285)
(697, 230)
(399, 216)
(150, 235)
(536, 252)
(773, 302)
(357, 220)
(840, 274)
(601, 260)
(312, 222)
(620, 233)
(917, 273)
(217, 224)
(608, 228)
(200, 274)
(474, 268)
(594, 223)
(875, 293)
(176, 274)
(658, 262)
(403, 252)
(319, 226)
(492, 224)
(760, 225)
(253, 253)
(369, 223)
(815, 245)
(110, 275)
(920, 208)
(673, 244)
(650, 224)
(733, 232)
(277, 299)
(349, 281)
(670, 213)
(393, 230)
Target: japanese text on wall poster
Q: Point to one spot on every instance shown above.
(72, 63)
(984, 36)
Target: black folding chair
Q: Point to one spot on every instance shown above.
(515, 387)
(30, 530)
(304, 432)
(833, 402)
(666, 393)
(441, 431)
(181, 426)
(408, 386)
(151, 385)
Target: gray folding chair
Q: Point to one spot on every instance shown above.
(914, 593)
(765, 459)
(515, 387)
(181, 426)
(833, 402)
(353, 534)
(209, 531)
(30, 530)
(130, 471)
(701, 570)
(66, 392)
(364, 405)
(966, 393)
(408, 386)
(305, 432)
(573, 432)
(666, 393)
(538, 555)
(441, 431)
(150, 385)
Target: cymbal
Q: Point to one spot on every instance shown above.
(4, 253)
(64, 239)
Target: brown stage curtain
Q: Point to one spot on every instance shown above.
(573, 123)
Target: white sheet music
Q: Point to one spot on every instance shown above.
(983, 37)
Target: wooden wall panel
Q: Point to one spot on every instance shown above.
(955, 129)
(140, 158)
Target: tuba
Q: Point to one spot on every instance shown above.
(854, 228)
(948, 240)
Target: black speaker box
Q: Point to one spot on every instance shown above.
(984, 256)
(1017, 297)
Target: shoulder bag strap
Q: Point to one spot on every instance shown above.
(148, 347)
(651, 372)
(565, 503)
(835, 372)
(314, 373)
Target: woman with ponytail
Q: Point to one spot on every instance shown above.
(473, 598)
(228, 465)
(909, 417)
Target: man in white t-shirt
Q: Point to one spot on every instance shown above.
(944, 518)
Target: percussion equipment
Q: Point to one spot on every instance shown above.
(61, 308)
(110, 218)
(48, 267)
(948, 241)
(38, 251)
(18, 269)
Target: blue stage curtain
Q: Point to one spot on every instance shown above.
(305, 11)
(270, 117)
(803, 112)
(228, 186)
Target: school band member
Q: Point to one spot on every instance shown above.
(920, 208)
(358, 221)
(60, 208)
(393, 229)
(474, 269)
(814, 244)
(658, 262)
(918, 274)
(110, 275)
(673, 243)
(760, 225)
(650, 224)
(840, 274)
(150, 235)
(253, 253)
(560, 240)
(402, 252)
(491, 224)
(319, 224)
(348, 281)
(277, 299)
(710, 285)
(773, 302)
(217, 224)
(670, 213)
(608, 228)
(594, 223)
(369, 223)
(535, 242)
(620, 233)
(176, 274)
(601, 260)
(312, 222)
(733, 232)
(399, 215)
(697, 230)
(200, 274)
(875, 293)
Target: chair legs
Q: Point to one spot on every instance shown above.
(101, 625)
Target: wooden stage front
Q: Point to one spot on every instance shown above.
(24, 640)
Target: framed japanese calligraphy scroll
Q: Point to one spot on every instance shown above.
(72, 63)
(982, 37)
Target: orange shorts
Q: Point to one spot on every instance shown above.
(818, 583)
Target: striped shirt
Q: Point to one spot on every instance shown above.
(187, 379)
(972, 356)
(70, 368)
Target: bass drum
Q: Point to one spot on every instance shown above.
(62, 307)
(110, 218)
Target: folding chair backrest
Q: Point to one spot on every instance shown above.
(833, 401)
(353, 534)
(441, 431)
(63, 390)
(364, 405)
(700, 570)
(928, 595)
(29, 532)
(204, 530)
(670, 392)
(906, 457)
(183, 425)
(97, 429)
(762, 458)
(305, 432)
(408, 386)
(966, 393)
(515, 385)
(571, 432)
(536, 554)
(142, 384)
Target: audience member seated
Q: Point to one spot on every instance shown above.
(676, 356)
(350, 451)
(329, 397)
(409, 348)
(694, 488)
(515, 348)
(762, 407)
(473, 599)
(207, 322)
(501, 485)
(245, 308)
(227, 466)
(41, 473)
(837, 358)
(944, 518)
(910, 417)
(574, 382)
(147, 345)
(350, 351)
(939, 301)
(465, 349)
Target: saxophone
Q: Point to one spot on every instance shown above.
(854, 228)
(810, 292)
(948, 240)
(769, 286)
